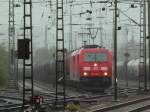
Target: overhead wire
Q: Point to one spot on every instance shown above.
(76, 3)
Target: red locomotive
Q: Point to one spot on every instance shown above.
(91, 65)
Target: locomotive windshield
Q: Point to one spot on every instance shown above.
(98, 57)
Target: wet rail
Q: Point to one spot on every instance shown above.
(130, 106)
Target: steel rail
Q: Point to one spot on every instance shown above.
(88, 99)
(120, 105)
(140, 109)
(10, 107)
(83, 98)
(9, 97)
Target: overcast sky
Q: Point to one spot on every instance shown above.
(44, 15)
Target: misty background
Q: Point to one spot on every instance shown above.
(85, 14)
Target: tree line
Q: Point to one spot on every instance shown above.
(3, 66)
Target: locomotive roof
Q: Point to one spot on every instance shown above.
(91, 46)
(87, 47)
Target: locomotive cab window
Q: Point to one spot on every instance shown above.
(89, 57)
(95, 57)
(101, 57)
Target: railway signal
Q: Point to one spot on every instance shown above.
(23, 49)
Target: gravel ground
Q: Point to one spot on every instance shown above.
(108, 101)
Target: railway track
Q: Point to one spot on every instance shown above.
(137, 105)
(142, 108)
(90, 98)
(82, 98)
(10, 107)
(11, 98)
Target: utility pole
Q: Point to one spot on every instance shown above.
(75, 40)
(145, 69)
(70, 38)
(46, 41)
(101, 34)
(149, 35)
(115, 53)
(11, 41)
(126, 59)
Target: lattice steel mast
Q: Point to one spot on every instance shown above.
(28, 63)
(11, 33)
(60, 54)
(142, 65)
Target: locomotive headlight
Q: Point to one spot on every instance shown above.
(95, 64)
(85, 73)
(105, 73)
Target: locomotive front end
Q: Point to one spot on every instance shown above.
(96, 68)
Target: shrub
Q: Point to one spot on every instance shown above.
(3, 66)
